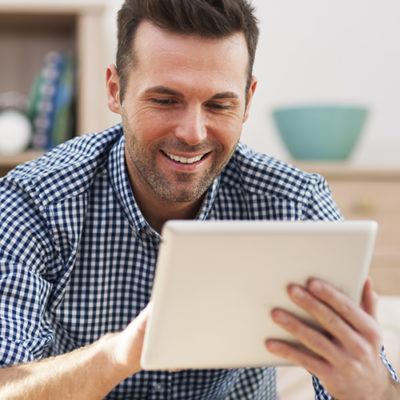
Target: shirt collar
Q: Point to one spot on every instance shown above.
(122, 188)
(208, 201)
(120, 181)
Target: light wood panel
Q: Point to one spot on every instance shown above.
(365, 192)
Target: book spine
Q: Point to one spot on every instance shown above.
(45, 102)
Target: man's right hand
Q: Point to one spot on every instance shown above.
(130, 342)
(84, 374)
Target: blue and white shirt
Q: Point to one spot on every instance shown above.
(77, 257)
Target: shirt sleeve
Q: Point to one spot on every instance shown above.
(320, 205)
(387, 364)
(24, 290)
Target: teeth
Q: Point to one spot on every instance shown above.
(184, 160)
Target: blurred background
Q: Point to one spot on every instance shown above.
(310, 52)
(326, 51)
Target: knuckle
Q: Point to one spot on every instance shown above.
(345, 309)
(308, 363)
(374, 334)
(362, 350)
(321, 345)
(330, 320)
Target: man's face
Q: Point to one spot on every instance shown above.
(182, 111)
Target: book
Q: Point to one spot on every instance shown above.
(51, 107)
(64, 116)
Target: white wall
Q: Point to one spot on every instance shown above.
(340, 51)
(110, 45)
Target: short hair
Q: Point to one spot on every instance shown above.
(205, 18)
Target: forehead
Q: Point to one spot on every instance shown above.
(159, 50)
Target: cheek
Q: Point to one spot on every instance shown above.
(149, 126)
(142, 126)
(227, 133)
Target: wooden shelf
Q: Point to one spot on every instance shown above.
(7, 163)
(348, 171)
(49, 25)
(51, 6)
(29, 30)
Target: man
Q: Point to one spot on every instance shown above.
(80, 226)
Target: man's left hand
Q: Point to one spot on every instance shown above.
(346, 356)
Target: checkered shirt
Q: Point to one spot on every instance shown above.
(77, 257)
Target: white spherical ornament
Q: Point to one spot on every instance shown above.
(15, 132)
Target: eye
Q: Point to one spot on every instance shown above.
(218, 106)
(163, 101)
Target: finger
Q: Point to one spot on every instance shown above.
(331, 321)
(315, 366)
(347, 310)
(313, 340)
(369, 301)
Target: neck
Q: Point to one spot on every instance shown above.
(156, 209)
(157, 213)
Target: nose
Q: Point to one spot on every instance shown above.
(192, 127)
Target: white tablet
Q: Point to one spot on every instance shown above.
(217, 281)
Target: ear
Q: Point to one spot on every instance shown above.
(250, 94)
(112, 82)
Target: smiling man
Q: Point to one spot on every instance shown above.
(182, 113)
(80, 226)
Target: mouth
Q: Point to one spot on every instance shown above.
(185, 160)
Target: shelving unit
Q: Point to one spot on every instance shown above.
(28, 30)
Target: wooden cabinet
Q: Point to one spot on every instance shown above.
(28, 30)
(367, 193)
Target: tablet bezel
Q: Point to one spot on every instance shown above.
(211, 305)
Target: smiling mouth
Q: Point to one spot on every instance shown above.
(184, 160)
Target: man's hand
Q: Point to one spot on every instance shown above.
(84, 374)
(346, 357)
(130, 342)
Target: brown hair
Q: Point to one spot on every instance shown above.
(205, 18)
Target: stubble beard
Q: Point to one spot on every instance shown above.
(184, 187)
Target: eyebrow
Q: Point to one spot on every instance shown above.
(225, 95)
(164, 90)
(172, 92)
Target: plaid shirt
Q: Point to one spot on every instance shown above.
(77, 257)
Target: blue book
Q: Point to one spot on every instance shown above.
(64, 112)
(45, 104)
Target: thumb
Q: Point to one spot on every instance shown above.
(140, 321)
(369, 300)
(130, 342)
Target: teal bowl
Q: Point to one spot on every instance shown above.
(320, 132)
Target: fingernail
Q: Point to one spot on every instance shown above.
(280, 317)
(316, 286)
(297, 292)
(273, 346)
